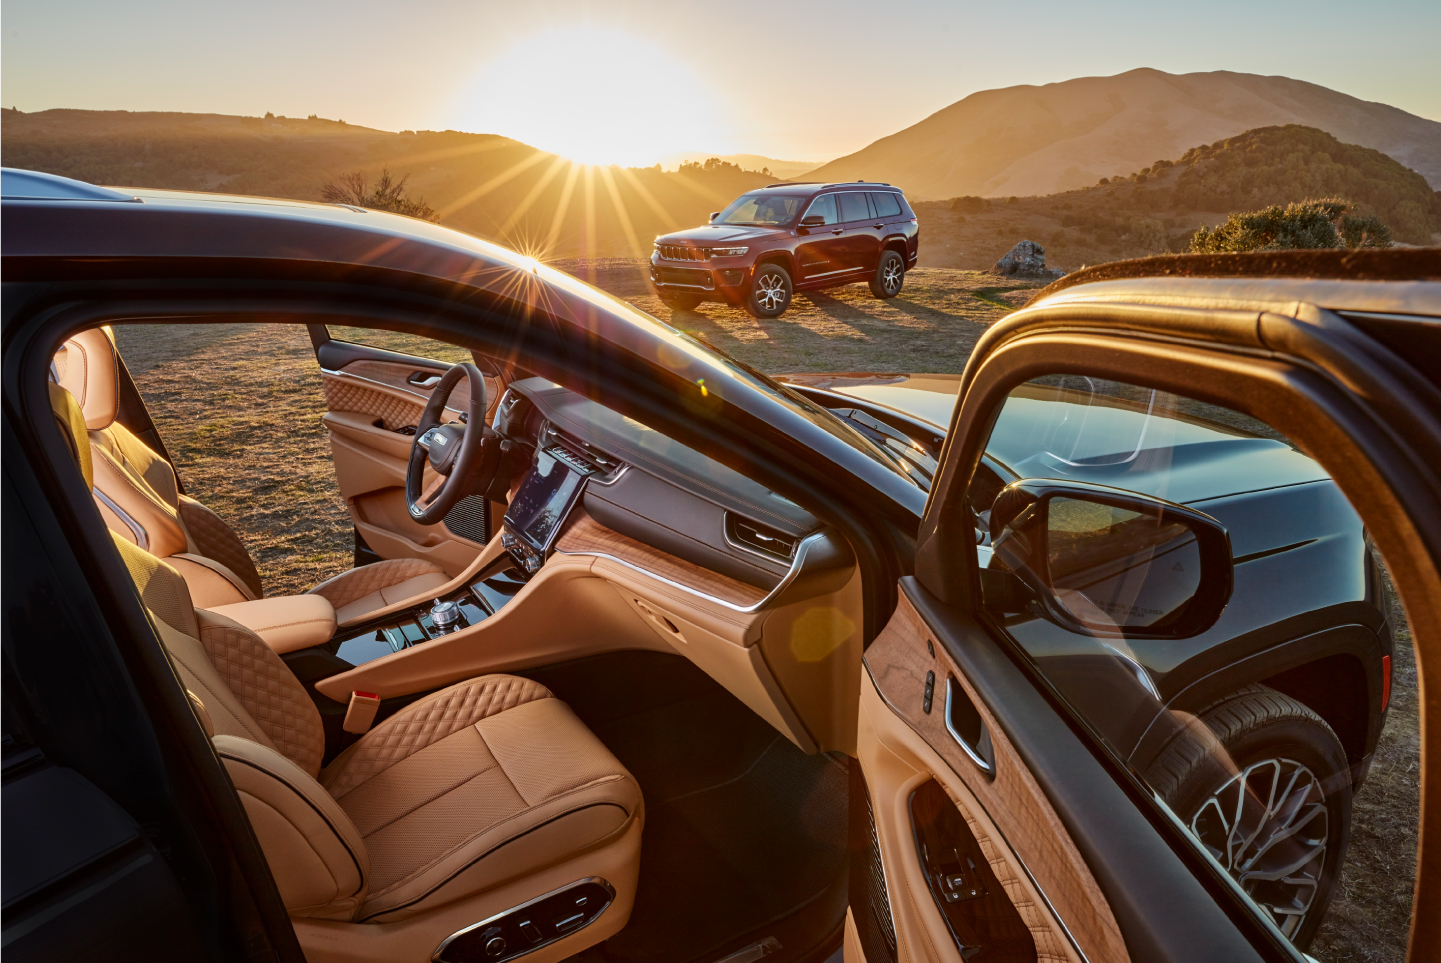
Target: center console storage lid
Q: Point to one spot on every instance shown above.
(287, 622)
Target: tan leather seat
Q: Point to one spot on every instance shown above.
(137, 494)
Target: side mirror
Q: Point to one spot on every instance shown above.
(714, 215)
(1108, 563)
(813, 220)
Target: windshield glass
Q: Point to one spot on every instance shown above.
(761, 210)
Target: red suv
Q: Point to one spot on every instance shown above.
(770, 243)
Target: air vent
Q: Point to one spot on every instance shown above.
(746, 534)
(470, 518)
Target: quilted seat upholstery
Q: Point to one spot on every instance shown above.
(464, 790)
(138, 496)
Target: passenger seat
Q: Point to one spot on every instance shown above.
(139, 498)
(468, 802)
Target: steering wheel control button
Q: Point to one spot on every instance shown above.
(529, 926)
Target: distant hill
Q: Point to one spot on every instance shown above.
(1158, 208)
(1030, 140)
(489, 185)
(784, 169)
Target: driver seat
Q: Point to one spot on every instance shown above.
(138, 496)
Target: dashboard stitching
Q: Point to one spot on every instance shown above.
(746, 562)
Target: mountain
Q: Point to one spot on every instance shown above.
(784, 169)
(1158, 208)
(1030, 140)
(485, 184)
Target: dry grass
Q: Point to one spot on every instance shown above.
(239, 407)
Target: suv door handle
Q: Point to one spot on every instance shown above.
(879, 227)
(839, 230)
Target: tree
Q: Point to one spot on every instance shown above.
(1308, 224)
(389, 195)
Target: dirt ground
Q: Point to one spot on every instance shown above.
(239, 408)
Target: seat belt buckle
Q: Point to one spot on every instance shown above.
(361, 713)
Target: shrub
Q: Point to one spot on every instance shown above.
(1149, 235)
(1308, 224)
(389, 195)
(970, 204)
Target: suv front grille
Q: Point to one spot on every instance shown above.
(681, 252)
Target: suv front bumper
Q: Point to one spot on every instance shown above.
(692, 278)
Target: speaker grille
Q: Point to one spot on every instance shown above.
(470, 518)
(870, 905)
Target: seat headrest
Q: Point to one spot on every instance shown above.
(72, 426)
(88, 367)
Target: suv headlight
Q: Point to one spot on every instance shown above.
(728, 251)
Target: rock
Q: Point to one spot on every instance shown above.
(1026, 259)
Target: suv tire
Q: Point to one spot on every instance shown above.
(890, 275)
(1259, 737)
(770, 292)
(677, 301)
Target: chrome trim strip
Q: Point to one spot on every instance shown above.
(435, 957)
(981, 764)
(784, 583)
(141, 539)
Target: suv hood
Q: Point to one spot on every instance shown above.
(718, 234)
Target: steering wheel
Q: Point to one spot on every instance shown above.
(466, 455)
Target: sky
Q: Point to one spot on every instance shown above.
(630, 81)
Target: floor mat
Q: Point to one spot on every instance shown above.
(743, 829)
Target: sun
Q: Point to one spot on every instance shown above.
(595, 95)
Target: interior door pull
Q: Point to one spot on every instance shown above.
(423, 379)
(966, 726)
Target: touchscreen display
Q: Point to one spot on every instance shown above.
(544, 499)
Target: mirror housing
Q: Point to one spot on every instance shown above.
(1105, 562)
(813, 220)
(714, 215)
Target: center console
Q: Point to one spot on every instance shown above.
(540, 506)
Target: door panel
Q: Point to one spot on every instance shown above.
(822, 253)
(893, 712)
(372, 394)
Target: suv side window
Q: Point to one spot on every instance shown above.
(854, 207)
(825, 206)
(886, 205)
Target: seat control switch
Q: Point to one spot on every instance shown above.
(529, 926)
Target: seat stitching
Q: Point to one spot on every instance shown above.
(285, 625)
(493, 849)
(428, 800)
(500, 765)
(125, 477)
(471, 838)
(218, 701)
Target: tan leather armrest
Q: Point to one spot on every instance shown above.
(286, 622)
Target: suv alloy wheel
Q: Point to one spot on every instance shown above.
(890, 275)
(770, 292)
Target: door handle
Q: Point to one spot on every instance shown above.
(878, 227)
(838, 231)
(966, 726)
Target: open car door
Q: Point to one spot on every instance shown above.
(1099, 724)
(376, 384)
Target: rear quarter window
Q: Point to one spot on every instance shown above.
(887, 204)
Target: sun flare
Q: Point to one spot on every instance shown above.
(595, 95)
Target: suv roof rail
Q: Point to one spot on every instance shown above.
(829, 184)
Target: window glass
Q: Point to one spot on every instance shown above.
(1200, 592)
(886, 205)
(411, 344)
(825, 206)
(761, 210)
(854, 206)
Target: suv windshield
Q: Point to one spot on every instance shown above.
(761, 210)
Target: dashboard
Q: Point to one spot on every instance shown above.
(632, 480)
